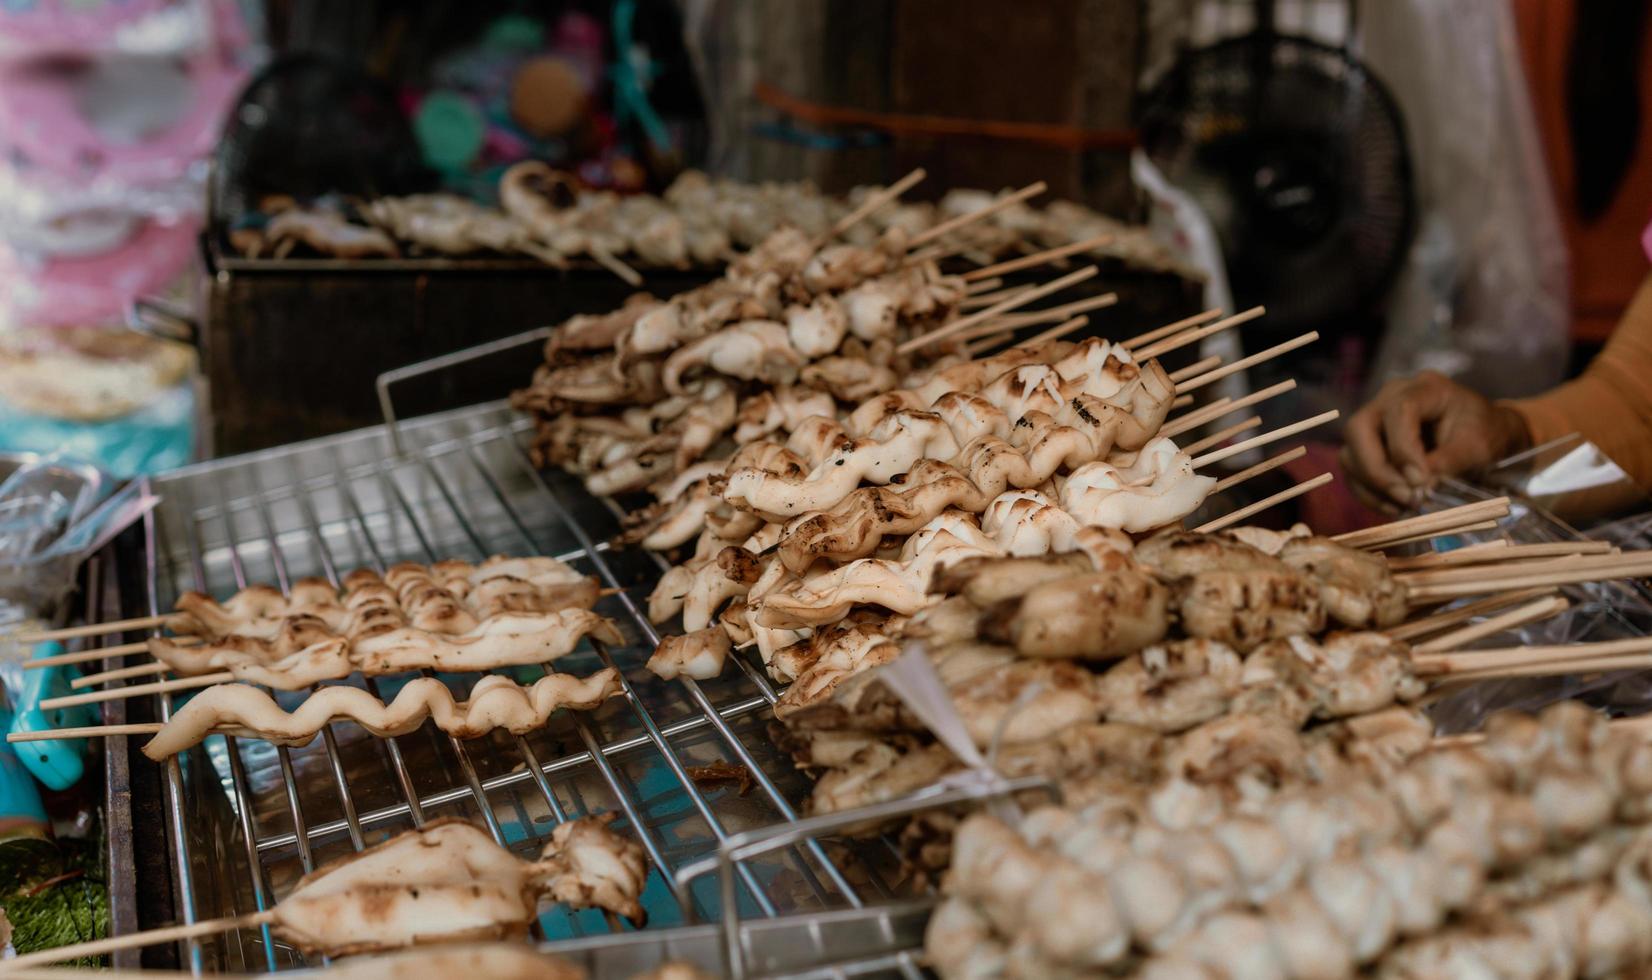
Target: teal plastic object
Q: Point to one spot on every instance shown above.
(159, 436)
(56, 763)
(450, 130)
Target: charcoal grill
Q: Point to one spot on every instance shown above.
(229, 827)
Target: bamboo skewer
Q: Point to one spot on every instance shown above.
(982, 286)
(1195, 369)
(1441, 533)
(1468, 554)
(88, 731)
(608, 261)
(98, 653)
(1178, 341)
(1452, 517)
(869, 206)
(1186, 323)
(1247, 362)
(122, 673)
(1054, 313)
(978, 300)
(975, 348)
(1529, 613)
(948, 227)
(138, 690)
(1056, 332)
(1267, 465)
(1594, 665)
(1217, 438)
(94, 629)
(1498, 551)
(1221, 407)
(964, 323)
(1263, 504)
(1571, 574)
(1478, 661)
(1037, 258)
(1461, 614)
(1283, 432)
(148, 937)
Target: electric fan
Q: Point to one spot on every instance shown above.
(1298, 155)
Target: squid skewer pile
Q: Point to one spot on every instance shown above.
(1326, 880)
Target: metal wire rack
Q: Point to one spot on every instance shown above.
(245, 819)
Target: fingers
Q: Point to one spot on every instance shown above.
(1365, 454)
(1402, 432)
(1364, 494)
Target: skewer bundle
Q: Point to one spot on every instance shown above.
(450, 616)
(1538, 831)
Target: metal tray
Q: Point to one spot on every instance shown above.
(229, 827)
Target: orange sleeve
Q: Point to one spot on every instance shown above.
(1611, 403)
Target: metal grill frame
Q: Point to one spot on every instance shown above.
(458, 462)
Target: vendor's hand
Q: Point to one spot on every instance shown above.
(1419, 429)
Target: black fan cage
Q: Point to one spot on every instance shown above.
(1299, 156)
(308, 126)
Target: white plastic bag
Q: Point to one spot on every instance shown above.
(1484, 293)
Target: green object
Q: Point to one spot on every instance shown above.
(514, 32)
(450, 130)
(54, 893)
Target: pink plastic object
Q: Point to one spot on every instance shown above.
(46, 131)
(76, 27)
(97, 288)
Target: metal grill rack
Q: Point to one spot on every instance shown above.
(245, 819)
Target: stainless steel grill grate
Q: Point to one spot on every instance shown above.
(245, 819)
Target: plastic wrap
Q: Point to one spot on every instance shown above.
(1599, 611)
(1484, 293)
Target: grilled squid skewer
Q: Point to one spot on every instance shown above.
(495, 702)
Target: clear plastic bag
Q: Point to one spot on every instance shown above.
(1484, 293)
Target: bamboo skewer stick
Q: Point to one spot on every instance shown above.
(608, 261)
(948, 227)
(1056, 313)
(1520, 616)
(1461, 614)
(1452, 517)
(1221, 407)
(869, 206)
(976, 348)
(148, 937)
(138, 690)
(1572, 574)
(1501, 571)
(982, 286)
(1056, 332)
(1498, 551)
(978, 300)
(1181, 340)
(122, 673)
(1248, 362)
(1242, 513)
(1567, 655)
(1266, 466)
(94, 629)
(1442, 533)
(1195, 369)
(1186, 323)
(1217, 438)
(85, 656)
(1595, 665)
(88, 731)
(1283, 432)
(964, 323)
(1037, 258)
(1486, 550)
